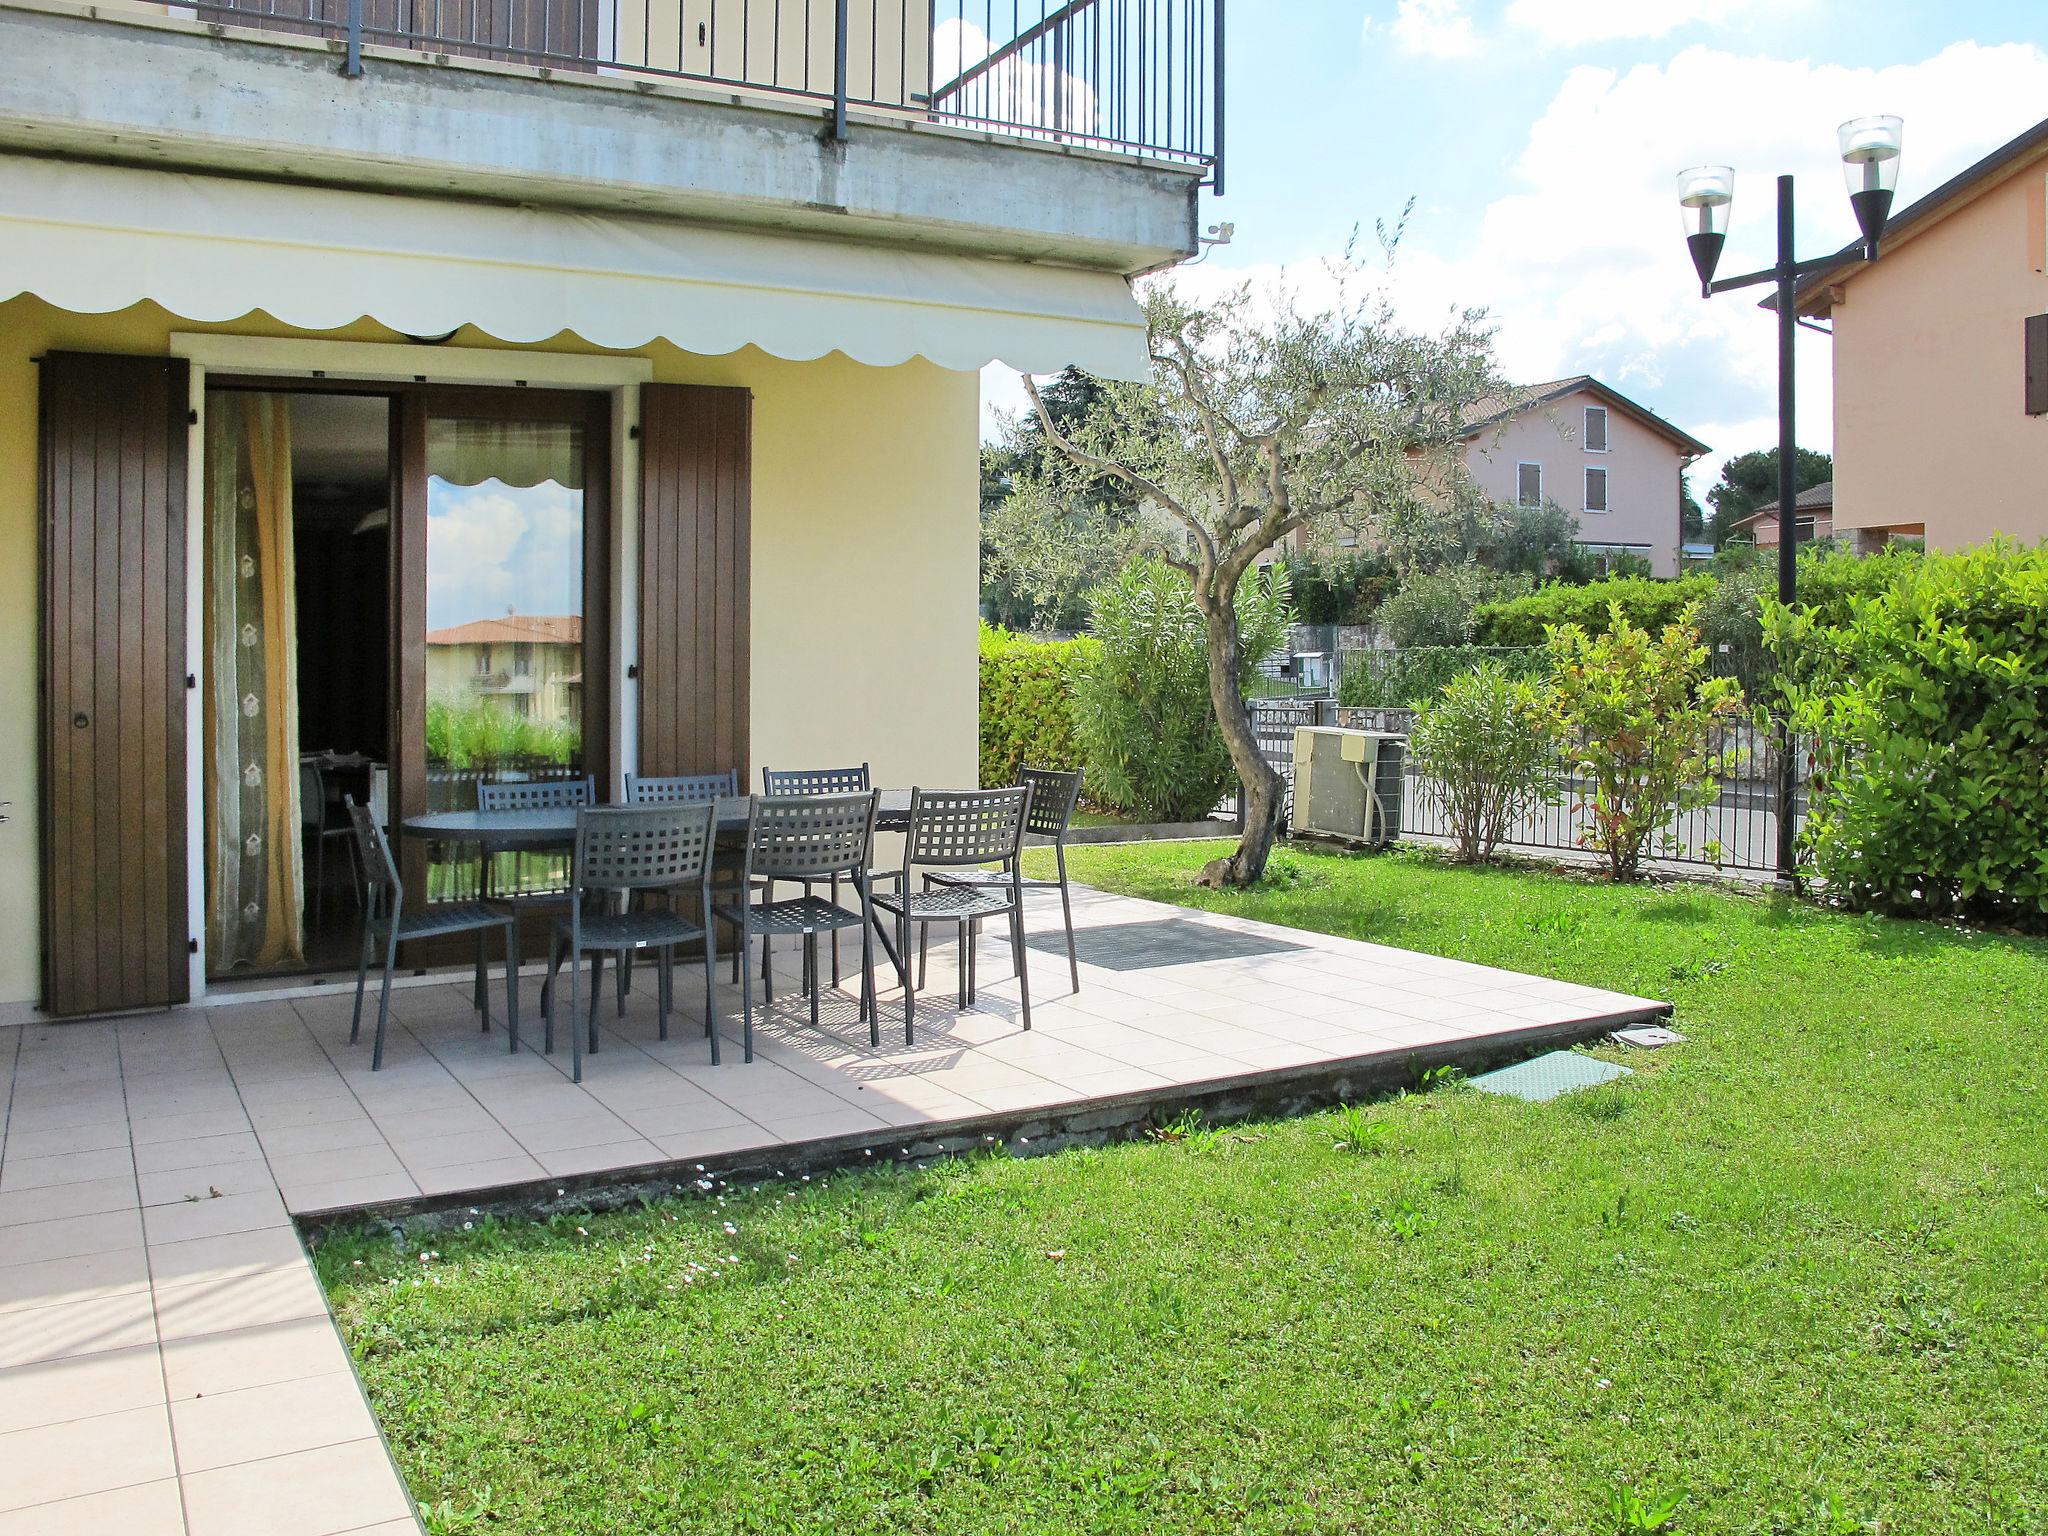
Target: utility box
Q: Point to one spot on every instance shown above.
(1348, 784)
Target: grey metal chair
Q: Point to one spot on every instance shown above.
(819, 781)
(687, 789)
(960, 829)
(619, 852)
(531, 795)
(806, 839)
(1053, 797)
(318, 828)
(386, 921)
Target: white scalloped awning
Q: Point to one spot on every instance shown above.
(92, 238)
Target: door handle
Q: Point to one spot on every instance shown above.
(80, 720)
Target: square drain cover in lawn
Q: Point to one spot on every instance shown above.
(1168, 941)
(1546, 1076)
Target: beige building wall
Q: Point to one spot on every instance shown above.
(865, 565)
(1930, 418)
(1642, 467)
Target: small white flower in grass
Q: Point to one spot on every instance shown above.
(473, 1210)
(469, 1226)
(731, 1230)
(580, 1232)
(355, 1263)
(732, 1258)
(1604, 1382)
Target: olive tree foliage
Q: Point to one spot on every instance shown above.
(1265, 414)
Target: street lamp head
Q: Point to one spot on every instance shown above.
(1870, 164)
(1704, 195)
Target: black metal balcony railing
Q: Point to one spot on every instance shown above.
(1129, 76)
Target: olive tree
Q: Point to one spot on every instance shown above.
(1263, 415)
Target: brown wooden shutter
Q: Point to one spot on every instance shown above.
(2037, 365)
(113, 496)
(695, 529)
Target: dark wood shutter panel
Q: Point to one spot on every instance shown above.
(113, 442)
(2037, 365)
(696, 519)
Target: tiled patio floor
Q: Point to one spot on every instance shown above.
(167, 1363)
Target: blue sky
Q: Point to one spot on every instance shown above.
(1540, 139)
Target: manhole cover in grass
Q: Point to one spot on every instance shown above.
(1168, 941)
(1546, 1076)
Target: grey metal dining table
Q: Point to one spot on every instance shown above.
(555, 826)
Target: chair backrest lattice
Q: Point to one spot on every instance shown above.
(639, 848)
(536, 794)
(380, 875)
(681, 788)
(1054, 794)
(965, 826)
(795, 837)
(816, 781)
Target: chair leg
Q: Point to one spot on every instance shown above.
(870, 1008)
(1067, 914)
(576, 1017)
(548, 992)
(355, 1023)
(973, 958)
(961, 957)
(924, 955)
(747, 994)
(811, 954)
(512, 983)
(909, 995)
(596, 991)
(835, 934)
(668, 952)
(710, 986)
(483, 996)
(384, 999)
(1017, 958)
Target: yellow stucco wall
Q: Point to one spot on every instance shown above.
(865, 552)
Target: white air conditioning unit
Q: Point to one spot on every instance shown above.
(1347, 784)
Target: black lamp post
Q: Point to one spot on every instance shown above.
(1870, 161)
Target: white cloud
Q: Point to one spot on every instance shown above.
(1569, 22)
(1442, 29)
(494, 549)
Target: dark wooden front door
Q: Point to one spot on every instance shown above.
(115, 930)
(695, 528)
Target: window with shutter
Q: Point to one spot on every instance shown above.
(2037, 365)
(1596, 490)
(1596, 429)
(1529, 484)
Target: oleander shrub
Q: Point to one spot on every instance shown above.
(1442, 607)
(1645, 603)
(1406, 679)
(1027, 703)
(1486, 741)
(1927, 703)
(1636, 712)
(478, 733)
(1143, 711)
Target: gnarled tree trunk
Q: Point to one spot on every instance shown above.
(1262, 783)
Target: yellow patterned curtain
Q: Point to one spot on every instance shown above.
(254, 878)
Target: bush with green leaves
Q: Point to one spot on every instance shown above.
(1441, 607)
(1928, 705)
(1027, 703)
(1486, 744)
(1647, 604)
(1142, 710)
(477, 733)
(1346, 587)
(1636, 712)
(1408, 678)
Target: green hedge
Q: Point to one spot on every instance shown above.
(1929, 702)
(1645, 603)
(1415, 675)
(1027, 713)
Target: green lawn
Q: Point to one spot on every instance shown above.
(1795, 1270)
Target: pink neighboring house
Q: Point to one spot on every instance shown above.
(1941, 361)
(1594, 452)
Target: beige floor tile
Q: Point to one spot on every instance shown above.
(483, 1175)
(242, 1301)
(258, 1422)
(198, 1152)
(621, 1154)
(252, 1357)
(80, 1278)
(53, 1200)
(326, 1167)
(214, 1218)
(223, 1122)
(587, 1130)
(147, 1509)
(76, 1328)
(27, 1173)
(98, 1136)
(346, 1194)
(65, 1237)
(208, 1182)
(290, 1141)
(81, 1456)
(234, 1253)
(323, 1492)
(422, 1153)
(51, 1391)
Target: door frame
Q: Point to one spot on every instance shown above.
(314, 363)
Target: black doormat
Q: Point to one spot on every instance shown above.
(1151, 945)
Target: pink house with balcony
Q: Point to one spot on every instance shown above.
(1613, 463)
